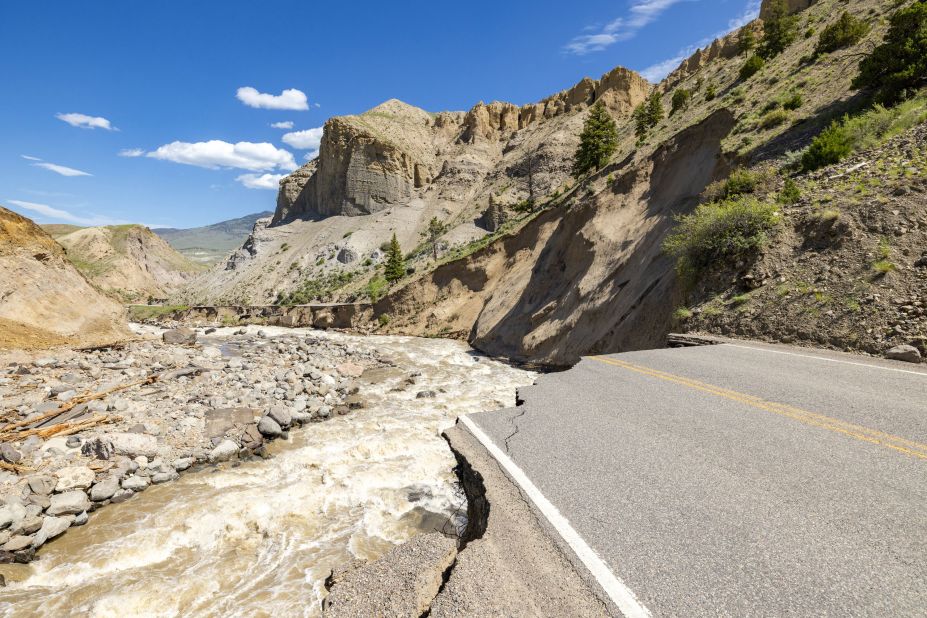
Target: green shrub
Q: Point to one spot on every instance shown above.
(383, 319)
(682, 314)
(790, 193)
(376, 288)
(829, 147)
(751, 67)
(792, 101)
(680, 100)
(898, 66)
(721, 232)
(741, 181)
(846, 31)
(711, 92)
(779, 29)
(773, 119)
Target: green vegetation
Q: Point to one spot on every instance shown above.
(682, 314)
(648, 115)
(317, 289)
(846, 31)
(395, 262)
(711, 92)
(779, 30)
(747, 40)
(721, 232)
(376, 288)
(899, 65)
(773, 118)
(436, 229)
(681, 98)
(864, 131)
(790, 193)
(741, 181)
(383, 319)
(597, 142)
(792, 101)
(751, 67)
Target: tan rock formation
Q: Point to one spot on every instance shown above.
(44, 300)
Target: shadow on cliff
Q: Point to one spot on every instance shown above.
(601, 282)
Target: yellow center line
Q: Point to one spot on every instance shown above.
(859, 432)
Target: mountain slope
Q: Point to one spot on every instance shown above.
(44, 300)
(127, 260)
(209, 244)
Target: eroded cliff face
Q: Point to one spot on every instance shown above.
(44, 300)
(581, 280)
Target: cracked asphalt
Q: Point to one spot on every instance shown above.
(738, 480)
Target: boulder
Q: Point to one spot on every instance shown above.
(347, 255)
(41, 485)
(51, 527)
(906, 353)
(17, 543)
(282, 415)
(68, 503)
(98, 448)
(179, 336)
(135, 483)
(105, 489)
(350, 370)
(225, 450)
(182, 464)
(122, 495)
(220, 420)
(9, 454)
(74, 477)
(133, 444)
(269, 427)
(11, 514)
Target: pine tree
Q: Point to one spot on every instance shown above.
(898, 66)
(655, 111)
(779, 29)
(436, 229)
(395, 262)
(641, 123)
(597, 142)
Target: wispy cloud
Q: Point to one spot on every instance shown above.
(131, 152)
(51, 212)
(291, 99)
(62, 169)
(84, 121)
(262, 181)
(641, 13)
(216, 154)
(658, 71)
(30, 158)
(288, 124)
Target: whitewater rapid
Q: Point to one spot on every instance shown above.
(260, 538)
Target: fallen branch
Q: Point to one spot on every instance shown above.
(14, 467)
(61, 429)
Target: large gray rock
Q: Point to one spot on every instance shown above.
(9, 453)
(282, 415)
(906, 353)
(41, 485)
(269, 427)
(133, 444)
(98, 448)
(51, 527)
(347, 255)
(17, 543)
(11, 514)
(135, 483)
(179, 336)
(74, 477)
(68, 503)
(220, 420)
(224, 451)
(105, 489)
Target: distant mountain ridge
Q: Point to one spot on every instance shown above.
(211, 243)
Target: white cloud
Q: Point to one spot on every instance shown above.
(641, 13)
(288, 124)
(312, 154)
(291, 98)
(56, 213)
(658, 71)
(30, 158)
(131, 152)
(216, 154)
(263, 181)
(86, 122)
(61, 169)
(304, 140)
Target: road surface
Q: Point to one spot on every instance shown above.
(732, 480)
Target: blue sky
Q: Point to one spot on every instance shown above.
(162, 112)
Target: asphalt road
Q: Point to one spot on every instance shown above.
(737, 480)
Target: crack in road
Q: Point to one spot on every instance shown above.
(515, 426)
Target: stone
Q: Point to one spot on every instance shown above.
(133, 444)
(9, 453)
(11, 514)
(135, 483)
(29, 525)
(66, 395)
(122, 495)
(493, 217)
(347, 255)
(350, 370)
(74, 477)
(251, 437)
(220, 420)
(98, 448)
(81, 519)
(17, 543)
(183, 463)
(73, 441)
(269, 427)
(45, 362)
(225, 450)
(906, 353)
(282, 415)
(68, 503)
(105, 489)
(179, 336)
(51, 527)
(426, 395)
(163, 477)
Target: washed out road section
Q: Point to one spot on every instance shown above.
(737, 479)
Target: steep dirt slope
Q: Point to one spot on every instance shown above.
(44, 300)
(129, 261)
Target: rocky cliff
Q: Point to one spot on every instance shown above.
(44, 300)
(129, 261)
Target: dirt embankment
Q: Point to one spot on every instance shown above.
(580, 279)
(44, 300)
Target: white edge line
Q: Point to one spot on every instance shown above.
(824, 358)
(616, 590)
